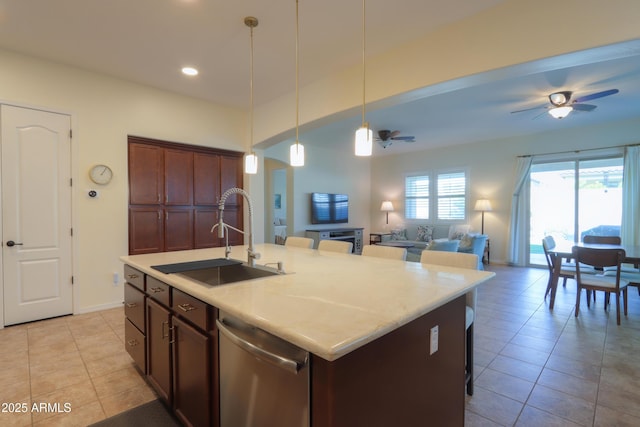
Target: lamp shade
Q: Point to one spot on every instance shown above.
(364, 141)
(560, 112)
(251, 164)
(483, 205)
(296, 154)
(387, 206)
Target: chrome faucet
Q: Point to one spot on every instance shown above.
(252, 254)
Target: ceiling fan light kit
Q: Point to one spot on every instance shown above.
(560, 98)
(386, 137)
(560, 112)
(562, 105)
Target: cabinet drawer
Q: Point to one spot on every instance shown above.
(134, 306)
(135, 344)
(135, 277)
(158, 290)
(190, 308)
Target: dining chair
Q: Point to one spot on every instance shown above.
(608, 240)
(468, 261)
(566, 271)
(385, 252)
(600, 258)
(299, 242)
(604, 240)
(335, 246)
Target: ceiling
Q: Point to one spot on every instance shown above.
(149, 41)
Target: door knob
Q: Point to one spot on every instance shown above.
(11, 243)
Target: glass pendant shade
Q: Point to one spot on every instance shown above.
(364, 141)
(251, 164)
(296, 154)
(560, 112)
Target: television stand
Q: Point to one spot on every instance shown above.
(353, 235)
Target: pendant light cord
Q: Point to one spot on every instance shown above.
(364, 69)
(297, 72)
(251, 92)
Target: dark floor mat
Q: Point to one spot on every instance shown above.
(153, 414)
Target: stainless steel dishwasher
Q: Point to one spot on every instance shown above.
(264, 380)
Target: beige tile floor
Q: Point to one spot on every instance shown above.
(534, 367)
(537, 367)
(77, 364)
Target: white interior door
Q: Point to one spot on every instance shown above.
(36, 214)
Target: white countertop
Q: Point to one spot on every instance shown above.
(328, 303)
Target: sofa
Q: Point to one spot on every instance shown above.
(454, 238)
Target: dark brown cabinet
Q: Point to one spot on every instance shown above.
(146, 174)
(191, 376)
(174, 191)
(135, 322)
(171, 336)
(159, 349)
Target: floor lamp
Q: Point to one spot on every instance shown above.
(483, 205)
(387, 207)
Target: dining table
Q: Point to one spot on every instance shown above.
(564, 250)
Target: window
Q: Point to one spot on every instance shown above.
(417, 197)
(452, 196)
(443, 198)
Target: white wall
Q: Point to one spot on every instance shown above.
(491, 167)
(330, 167)
(104, 111)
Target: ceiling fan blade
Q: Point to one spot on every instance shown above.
(529, 109)
(584, 107)
(537, 116)
(394, 134)
(596, 95)
(404, 138)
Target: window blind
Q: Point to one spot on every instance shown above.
(417, 197)
(451, 195)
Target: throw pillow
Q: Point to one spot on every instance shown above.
(466, 243)
(425, 233)
(444, 245)
(399, 234)
(457, 231)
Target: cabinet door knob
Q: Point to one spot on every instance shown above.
(132, 276)
(131, 304)
(132, 343)
(156, 290)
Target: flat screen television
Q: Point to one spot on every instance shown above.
(329, 208)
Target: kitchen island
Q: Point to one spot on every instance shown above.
(367, 323)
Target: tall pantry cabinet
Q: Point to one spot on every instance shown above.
(174, 191)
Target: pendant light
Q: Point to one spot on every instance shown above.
(251, 159)
(296, 151)
(364, 135)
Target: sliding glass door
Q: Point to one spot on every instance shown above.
(572, 198)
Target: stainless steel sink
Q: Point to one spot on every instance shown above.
(228, 274)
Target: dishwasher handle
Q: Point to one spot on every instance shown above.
(293, 366)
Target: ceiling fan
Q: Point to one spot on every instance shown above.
(386, 137)
(562, 105)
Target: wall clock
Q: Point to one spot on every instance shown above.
(101, 174)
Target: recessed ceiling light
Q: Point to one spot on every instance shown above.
(189, 71)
